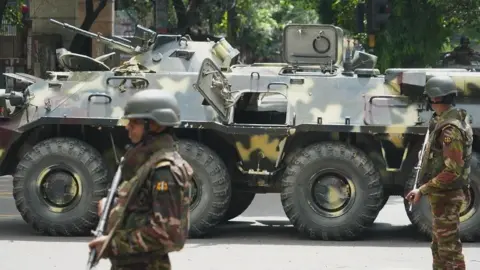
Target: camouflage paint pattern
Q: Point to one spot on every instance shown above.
(311, 93)
(151, 216)
(447, 154)
(358, 104)
(446, 245)
(163, 264)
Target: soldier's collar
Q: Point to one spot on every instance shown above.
(446, 111)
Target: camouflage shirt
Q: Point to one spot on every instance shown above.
(153, 221)
(449, 151)
(462, 55)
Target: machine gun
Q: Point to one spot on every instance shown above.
(124, 47)
(102, 223)
(419, 164)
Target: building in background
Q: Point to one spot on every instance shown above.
(31, 49)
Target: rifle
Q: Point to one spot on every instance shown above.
(102, 223)
(419, 163)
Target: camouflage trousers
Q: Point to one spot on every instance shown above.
(149, 264)
(446, 245)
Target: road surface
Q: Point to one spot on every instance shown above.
(261, 239)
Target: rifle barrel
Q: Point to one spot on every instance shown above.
(106, 211)
(419, 164)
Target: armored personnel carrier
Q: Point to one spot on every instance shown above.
(335, 138)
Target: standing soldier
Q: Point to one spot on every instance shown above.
(151, 215)
(463, 53)
(447, 166)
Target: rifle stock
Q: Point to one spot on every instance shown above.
(102, 223)
(419, 164)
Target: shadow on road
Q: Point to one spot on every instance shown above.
(282, 233)
(261, 232)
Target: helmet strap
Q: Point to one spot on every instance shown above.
(428, 104)
(146, 131)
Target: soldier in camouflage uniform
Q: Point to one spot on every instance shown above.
(463, 53)
(447, 170)
(150, 218)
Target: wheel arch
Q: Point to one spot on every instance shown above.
(97, 137)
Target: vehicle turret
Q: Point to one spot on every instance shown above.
(156, 52)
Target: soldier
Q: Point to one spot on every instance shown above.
(463, 53)
(150, 218)
(447, 168)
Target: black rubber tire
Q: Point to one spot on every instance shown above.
(239, 202)
(350, 161)
(212, 178)
(85, 161)
(421, 216)
(384, 201)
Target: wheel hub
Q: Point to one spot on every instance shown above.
(59, 187)
(331, 193)
(195, 194)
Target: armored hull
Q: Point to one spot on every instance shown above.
(335, 142)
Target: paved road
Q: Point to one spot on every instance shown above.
(260, 239)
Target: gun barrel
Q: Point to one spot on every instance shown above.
(419, 164)
(91, 258)
(106, 211)
(110, 42)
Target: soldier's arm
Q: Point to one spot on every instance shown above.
(165, 218)
(452, 147)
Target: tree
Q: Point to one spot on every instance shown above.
(81, 44)
(261, 23)
(253, 26)
(3, 6)
(459, 14)
(11, 14)
(416, 31)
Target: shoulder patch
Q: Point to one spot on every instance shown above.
(162, 186)
(447, 140)
(164, 163)
(450, 133)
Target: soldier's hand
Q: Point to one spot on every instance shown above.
(101, 206)
(414, 196)
(97, 243)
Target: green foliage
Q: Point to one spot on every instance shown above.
(415, 34)
(137, 10)
(13, 15)
(261, 23)
(459, 14)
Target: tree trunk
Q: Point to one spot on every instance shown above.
(3, 6)
(161, 16)
(81, 44)
(181, 12)
(232, 26)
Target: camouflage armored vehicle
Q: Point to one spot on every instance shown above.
(334, 139)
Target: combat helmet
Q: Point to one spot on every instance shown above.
(156, 105)
(440, 86)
